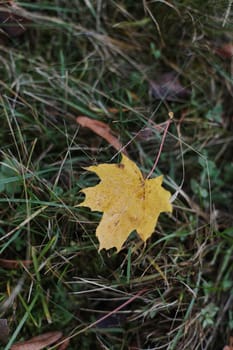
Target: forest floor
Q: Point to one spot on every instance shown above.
(129, 65)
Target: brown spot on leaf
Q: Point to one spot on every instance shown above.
(120, 166)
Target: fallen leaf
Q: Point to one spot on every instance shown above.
(14, 264)
(168, 87)
(230, 346)
(39, 342)
(116, 110)
(12, 23)
(101, 129)
(4, 330)
(128, 202)
(64, 344)
(147, 133)
(225, 51)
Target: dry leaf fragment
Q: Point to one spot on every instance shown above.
(4, 330)
(225, 51)
(14, 264)
(64, 344)
(128, 202)
(168, 87)
(11, 22)
(230, 346)
(39, 342)
(101, 129)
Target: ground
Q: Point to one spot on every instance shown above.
(130, 65)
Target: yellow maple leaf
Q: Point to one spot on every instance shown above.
(128, 202)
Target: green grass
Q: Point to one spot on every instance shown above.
(84, 58)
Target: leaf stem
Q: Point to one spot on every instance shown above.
(162, 143)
